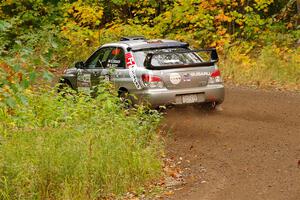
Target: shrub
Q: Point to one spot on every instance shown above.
(270, 66)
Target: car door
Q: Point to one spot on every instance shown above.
(116, 62)
(89, 76)
(116, 70)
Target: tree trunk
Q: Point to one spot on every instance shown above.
(298, 12)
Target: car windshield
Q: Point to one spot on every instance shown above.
(171, 56)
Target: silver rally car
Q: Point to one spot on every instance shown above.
(161, 72)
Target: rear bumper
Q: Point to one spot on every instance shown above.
(158, 97)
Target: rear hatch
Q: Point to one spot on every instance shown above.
(179, 67)
(184, 77)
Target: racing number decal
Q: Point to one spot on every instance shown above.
(131, 65)
(130, 62)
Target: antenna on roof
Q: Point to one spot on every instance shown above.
(131, 38)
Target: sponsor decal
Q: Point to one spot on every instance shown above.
(110, 65)
(175, 78)
(106, 77)
(131, 65)
(114, 61)
(187, 77)
(83, 82)
(200, 73)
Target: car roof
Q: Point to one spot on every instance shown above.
(143, 44)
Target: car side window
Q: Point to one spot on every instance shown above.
(99, 58)
(116, 58)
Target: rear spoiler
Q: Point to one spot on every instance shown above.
(213, 59)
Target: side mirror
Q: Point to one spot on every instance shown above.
(214, 56)
(79, 65)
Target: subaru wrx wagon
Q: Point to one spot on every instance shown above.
(160, 72)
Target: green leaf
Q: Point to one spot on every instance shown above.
(23, 99)
(25, 83)
(32, 76)
(48, 76)
(53, 43)
(4, 26)
(10, 102)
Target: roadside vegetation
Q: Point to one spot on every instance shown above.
(77, 147)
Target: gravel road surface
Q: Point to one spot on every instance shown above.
(250, 150)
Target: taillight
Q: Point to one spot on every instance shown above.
(150, 78)
(215, 77)
(215, 73)
(152, 81)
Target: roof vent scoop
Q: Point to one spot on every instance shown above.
(130, 38)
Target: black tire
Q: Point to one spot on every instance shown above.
(209, 106)
(64, 88)
(125, 98)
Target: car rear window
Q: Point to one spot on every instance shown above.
(170, 58)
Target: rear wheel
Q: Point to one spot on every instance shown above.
(212, 106)
(125, 98)
(209, 106)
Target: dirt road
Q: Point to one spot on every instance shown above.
(250, 150)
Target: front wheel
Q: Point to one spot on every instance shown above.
(62, 86)
(125, 98)
(65, 89)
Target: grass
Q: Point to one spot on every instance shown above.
(269, 67)
(76, 147)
